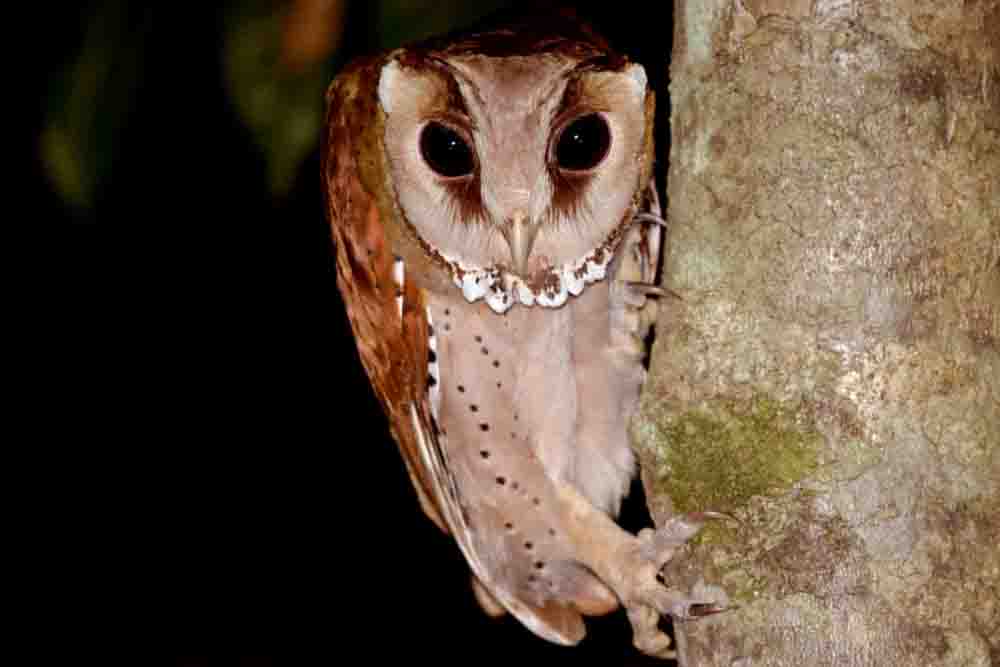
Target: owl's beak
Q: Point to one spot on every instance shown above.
(520, 234)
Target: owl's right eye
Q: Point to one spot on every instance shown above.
(445, 151)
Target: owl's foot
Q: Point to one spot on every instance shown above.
(642, 592)
(630, 566)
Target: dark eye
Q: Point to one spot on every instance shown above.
(584, 143)
(445, 151)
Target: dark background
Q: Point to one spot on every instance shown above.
(226, 491)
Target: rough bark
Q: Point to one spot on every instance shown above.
(831, 375)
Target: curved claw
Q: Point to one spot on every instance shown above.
(647, 290)
(683, 606)
(650, 218)
(701, 609)
(722, 516)
(644, 617)
(701, 518)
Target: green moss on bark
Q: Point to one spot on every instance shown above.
(718, 459)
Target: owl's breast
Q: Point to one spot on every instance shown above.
(545, 384)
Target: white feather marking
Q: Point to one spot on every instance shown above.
(501, 289)
(433, 368)
(398, 276)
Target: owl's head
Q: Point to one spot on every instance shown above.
(517, 159)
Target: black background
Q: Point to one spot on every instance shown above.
(221, 488)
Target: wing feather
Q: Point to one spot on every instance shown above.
(387, 317)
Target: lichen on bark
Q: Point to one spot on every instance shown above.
(831, 375)
(719, 460)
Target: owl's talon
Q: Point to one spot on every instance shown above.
(636, 294)
(650, 218)
(648, 290)
(701, 609)
(683, 607)
(644, 614)
(643, 592)
(649, 603)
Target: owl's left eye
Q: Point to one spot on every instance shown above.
(583, 144)
(445, 151)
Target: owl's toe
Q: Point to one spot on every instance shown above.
(648, 599)
(646, 634)
(643, 593)
(659, 545)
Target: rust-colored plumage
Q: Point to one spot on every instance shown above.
(392, 346)
(495, 270)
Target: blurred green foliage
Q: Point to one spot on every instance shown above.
(276, 85)
(90, 101)
(279, 104)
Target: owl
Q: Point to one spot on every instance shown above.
(497, 233)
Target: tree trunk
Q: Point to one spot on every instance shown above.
(831, 375)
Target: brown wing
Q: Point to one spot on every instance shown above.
(393, 348)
